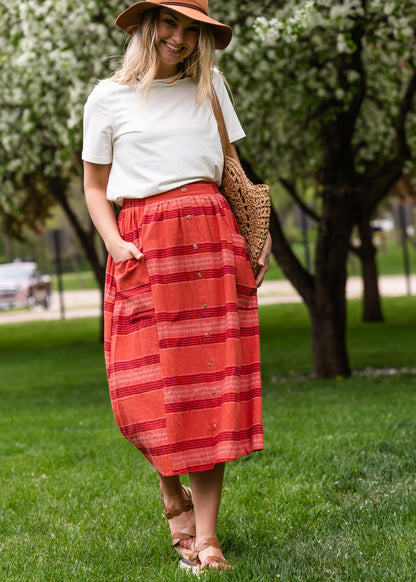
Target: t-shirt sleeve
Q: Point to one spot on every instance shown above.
(98, 132)
(234, 128)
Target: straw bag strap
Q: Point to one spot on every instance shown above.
(222, 128)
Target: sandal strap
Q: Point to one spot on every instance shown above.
(185, 534)
(173, 511)
(203, 545)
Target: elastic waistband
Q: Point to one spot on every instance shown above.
(193, 188)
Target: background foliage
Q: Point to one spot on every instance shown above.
(325, 90)
(292, 68)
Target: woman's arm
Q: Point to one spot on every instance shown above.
(265, 255)
(102, 212)
(264, 260)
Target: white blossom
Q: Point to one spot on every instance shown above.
(300, 72)
(51, 55)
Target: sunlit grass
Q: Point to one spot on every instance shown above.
(332, 497)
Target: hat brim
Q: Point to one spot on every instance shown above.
(130, 19)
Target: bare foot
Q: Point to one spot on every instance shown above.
(210, 555)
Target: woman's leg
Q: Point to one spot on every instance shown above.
(206, 494)
(174, 498)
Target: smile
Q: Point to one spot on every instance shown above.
(172, 48)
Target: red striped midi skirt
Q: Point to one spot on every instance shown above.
(181, 333)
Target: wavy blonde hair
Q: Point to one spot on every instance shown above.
(141, 61)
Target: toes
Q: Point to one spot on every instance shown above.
(186, 544)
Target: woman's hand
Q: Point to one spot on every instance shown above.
(264, 260)
(102, 212)
(120, 250)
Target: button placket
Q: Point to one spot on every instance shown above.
(199, 274)
(210, 362)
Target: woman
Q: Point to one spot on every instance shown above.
(181, 323)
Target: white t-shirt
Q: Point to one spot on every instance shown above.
(159, 143)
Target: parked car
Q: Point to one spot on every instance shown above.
(22, 285)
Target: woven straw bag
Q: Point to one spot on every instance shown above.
(249, 202)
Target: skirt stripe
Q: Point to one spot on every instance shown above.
(181, 333)
(224, 437)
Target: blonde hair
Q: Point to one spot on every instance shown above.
(141, 62)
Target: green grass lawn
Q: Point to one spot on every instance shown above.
(332, 497)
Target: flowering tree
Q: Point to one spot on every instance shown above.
(51, 54)
(326, 92)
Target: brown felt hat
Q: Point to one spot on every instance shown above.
(195, 9)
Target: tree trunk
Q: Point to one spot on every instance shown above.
(328, 310)
(323, 293)
(86, 239)
(58, 190)
(328, 322)
(372, 310)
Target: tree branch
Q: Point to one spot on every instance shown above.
(290, 187)
(57, 188)
(357, 63)
(405, 106)
(300, 278)
(379, 181)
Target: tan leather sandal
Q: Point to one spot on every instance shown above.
(187, 532)
(197, 565)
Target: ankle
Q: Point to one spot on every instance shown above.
(171, 491)
(175, 503)
(171, 497)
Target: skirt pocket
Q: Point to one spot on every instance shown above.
(130, 274)
(133, 291)
(244, 277)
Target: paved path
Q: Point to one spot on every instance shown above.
(283, 292)
(87, 303)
